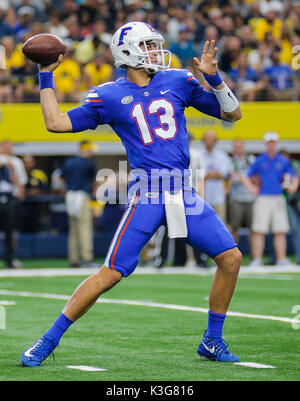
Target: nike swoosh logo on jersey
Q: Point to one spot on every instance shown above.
(211, 350)
(163, 92)
(229, 94)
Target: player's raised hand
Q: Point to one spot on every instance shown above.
(53, 66)
(208, 63)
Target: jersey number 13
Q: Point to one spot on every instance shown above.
(165, 112)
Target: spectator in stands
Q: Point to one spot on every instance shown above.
(97, 72)
(67, 79)
(226, 27)
(68, 8)
(230, 51)
(241, 6)
(176, 21)
(18, 193)
(215, 16)
(26, 16)
(11, 59)
(37, 179)
(248, 38)
(7, 182)
(79, 174)
(74, 34)
(210, 33)
(279, 78)
(55, 26)
(285, 43)
(87, 49)
(296, 63)
(217, 168)
(18, 166)
(240, 198)
(270, 5)
(238, 26)
(245, 81)
(6, 90)
(5, 29)
(100, 30)
(271, 23)
(13, 52)
(26, 83)
(269, 209)
(87, 13)
(184, 48)
(259, 58)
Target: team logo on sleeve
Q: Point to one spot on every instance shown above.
(127, 99)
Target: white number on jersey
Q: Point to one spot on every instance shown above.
(168, 127)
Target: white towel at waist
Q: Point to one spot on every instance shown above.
(175, 214)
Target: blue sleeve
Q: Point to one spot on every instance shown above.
(202, 100)
(88, 115)
(84, 117)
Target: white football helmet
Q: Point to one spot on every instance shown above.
(127, 51)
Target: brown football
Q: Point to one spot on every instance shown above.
(44, 48)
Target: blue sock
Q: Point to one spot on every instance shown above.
(215, 324)
(60, 326)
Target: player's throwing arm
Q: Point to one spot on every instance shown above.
(48, 51)
(208, 66)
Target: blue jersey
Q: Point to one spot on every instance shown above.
(149, 120)
(280, 76)
(271, 172)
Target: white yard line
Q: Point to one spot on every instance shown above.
(150, 305)
(255, 365)
(6, 303)
(85, 368)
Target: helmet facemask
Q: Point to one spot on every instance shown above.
(147, 56)
(132, 46)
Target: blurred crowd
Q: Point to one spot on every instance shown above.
(257, 41)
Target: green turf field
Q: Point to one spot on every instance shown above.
(147, 341)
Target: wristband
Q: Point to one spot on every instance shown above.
(213, 80)
(46, 80)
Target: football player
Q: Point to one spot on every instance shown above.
(146, 110)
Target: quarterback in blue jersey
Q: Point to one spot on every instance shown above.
(146, 110)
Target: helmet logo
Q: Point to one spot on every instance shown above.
(122, 34)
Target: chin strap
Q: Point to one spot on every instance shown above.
(150, 70)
